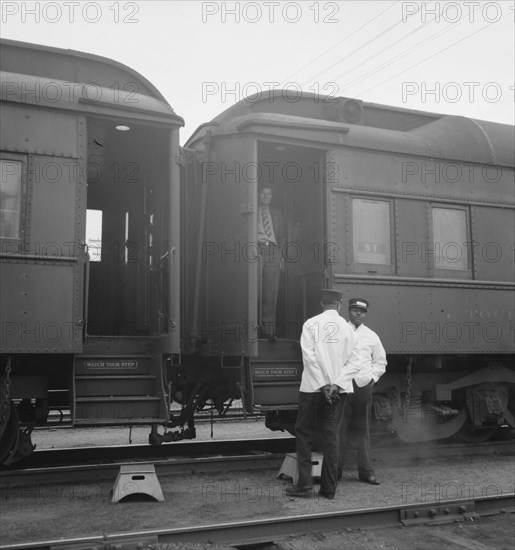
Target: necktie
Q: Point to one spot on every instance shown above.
(267, 222)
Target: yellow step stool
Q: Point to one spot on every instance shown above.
(290, 466)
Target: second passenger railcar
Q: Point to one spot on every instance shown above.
(410, 210)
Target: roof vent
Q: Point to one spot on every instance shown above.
(345, 110)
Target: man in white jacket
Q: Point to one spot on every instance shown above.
(369, 358)
(326, 341)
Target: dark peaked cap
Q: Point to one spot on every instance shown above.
(358, 302)
(331, 296)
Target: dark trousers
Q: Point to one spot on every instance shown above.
(320, 421)
(270, 275)
(356, 426)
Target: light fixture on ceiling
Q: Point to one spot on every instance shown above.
(123, 128)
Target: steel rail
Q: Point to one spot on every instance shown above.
(272, 529)
(83, 455)
(101, 464)
(108, 472)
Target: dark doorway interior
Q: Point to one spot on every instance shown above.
(297, 177)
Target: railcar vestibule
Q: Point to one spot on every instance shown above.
(298, 176)
(126, 227)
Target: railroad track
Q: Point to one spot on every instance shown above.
(95, 454)
(37, 484)
(84, 464)
(270, 530)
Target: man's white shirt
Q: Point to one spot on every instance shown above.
(368, 355)
(327, 341)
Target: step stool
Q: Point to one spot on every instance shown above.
(137, 479)
(290, 466)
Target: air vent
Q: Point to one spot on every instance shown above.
(345, 110)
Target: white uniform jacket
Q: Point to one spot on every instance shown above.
(327, 341)
(368, 355)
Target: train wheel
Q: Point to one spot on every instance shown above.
(469, 433)
(9, 435)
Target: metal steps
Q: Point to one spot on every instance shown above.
(275, 373)
(113, 389)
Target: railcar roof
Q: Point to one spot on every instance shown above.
(379, 127)
(34, 62)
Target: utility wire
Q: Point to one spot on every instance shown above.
(361, 47)
(424, 60)
(340, 42)
(362, 63)
(400, 56)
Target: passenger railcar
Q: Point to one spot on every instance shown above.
(129, 266)
(86, 323)
(410, 210)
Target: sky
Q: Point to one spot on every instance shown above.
(444, 57)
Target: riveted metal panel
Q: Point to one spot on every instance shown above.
(43, 276)
(411, 226)
(339, 233)
(348, 234)
(435, 317)
(402, 175)
(332, 244)
(38, 313)
(53, 187)
(31, 130)
(493, 231)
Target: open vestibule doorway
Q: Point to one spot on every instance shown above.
(298, 177)
(126, 230)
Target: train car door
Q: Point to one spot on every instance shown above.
(228, 252)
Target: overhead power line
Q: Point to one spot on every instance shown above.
(359, 48)
(378, 68)
(424, 60)
(340, 42)
(362, 63)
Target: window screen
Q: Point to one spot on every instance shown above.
(450, 239)
(371, 231)
(10, 198)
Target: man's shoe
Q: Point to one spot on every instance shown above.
(296, 491)
(330, 496)
(371, 479)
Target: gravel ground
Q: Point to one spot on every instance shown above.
(42, 512)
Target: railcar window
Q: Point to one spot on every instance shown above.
(371, 232)
(94, 234)
(450, 241)
(10, 198)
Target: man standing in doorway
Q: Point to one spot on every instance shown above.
(369, 358)
(271, 236)
(326, 341)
